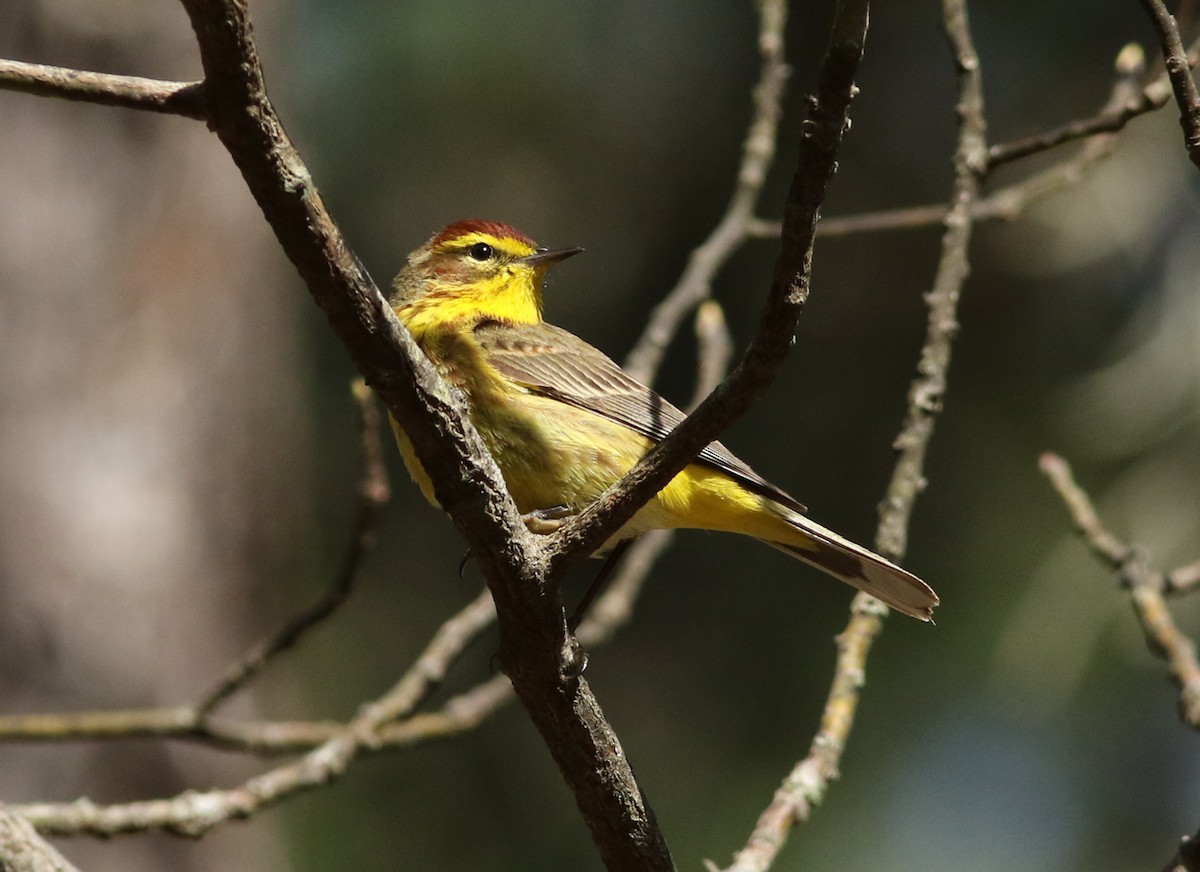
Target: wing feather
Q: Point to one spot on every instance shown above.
(555, 363)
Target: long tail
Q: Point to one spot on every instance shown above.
(858, 566)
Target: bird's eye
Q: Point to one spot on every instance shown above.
(481, 251)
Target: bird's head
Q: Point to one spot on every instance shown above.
(474, 270)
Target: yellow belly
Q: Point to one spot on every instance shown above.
(552, 454)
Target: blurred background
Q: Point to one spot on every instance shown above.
(178, 448)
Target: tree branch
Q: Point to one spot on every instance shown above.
(106, 89)
(1111, 119)
(1009, 202)
(925, 395)
(23, 850)
(373, 494)
(1180, 73)
(194, 813)
(1145, 587)
(534, 646)
(805, 786)
(732, 231)
(1182, 579)
(1126, 101)
(461, 713)
(826, 120)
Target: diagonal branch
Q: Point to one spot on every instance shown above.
(1180, 74)
(732, 231)
(925, 395)
(107, 89)
(459, 714)
(534, 645)
(805, 785)
(1182, 579)
(23, 850)
(1114, 116)
(1146, 587)
(373, 493)
(826, 120)
(1127, 100)
(194, 813)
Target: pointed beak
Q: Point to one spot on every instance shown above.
(545, 256)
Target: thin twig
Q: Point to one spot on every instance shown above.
(806, 784)
(1182, 579)
(1145, 587)
(459, 714)
(1008, 203)
(1179, 71)
(373, 494)
(826, 121)
(268, 738)
(107, 89)
(1113, 118)
(194, 813)
(927, 390)
(731, 232)
(804, 787)
(1004, 204)
(714, 350)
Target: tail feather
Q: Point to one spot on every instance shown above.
(862, 568)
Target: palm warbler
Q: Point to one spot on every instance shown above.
(564, 422)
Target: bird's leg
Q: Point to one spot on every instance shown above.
(546, 521)
(610, 563)
(540, 521)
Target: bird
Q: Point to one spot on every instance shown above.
(563, 421)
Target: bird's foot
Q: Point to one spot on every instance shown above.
(546, 521)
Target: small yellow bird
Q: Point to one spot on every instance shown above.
(564, 422)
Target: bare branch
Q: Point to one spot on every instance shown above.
(1145, 587)
(194, 813)
(925, 395)
(130, 92)
(1004, 204)
(805, 785)
(373, 494)
(1183, 579)
(1009, 202)
(535, 650)
(1114, 116)
(826, 121)
(461, 713)
(1180, 73)
(23, 850)
(731, 232)
(264, 738)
